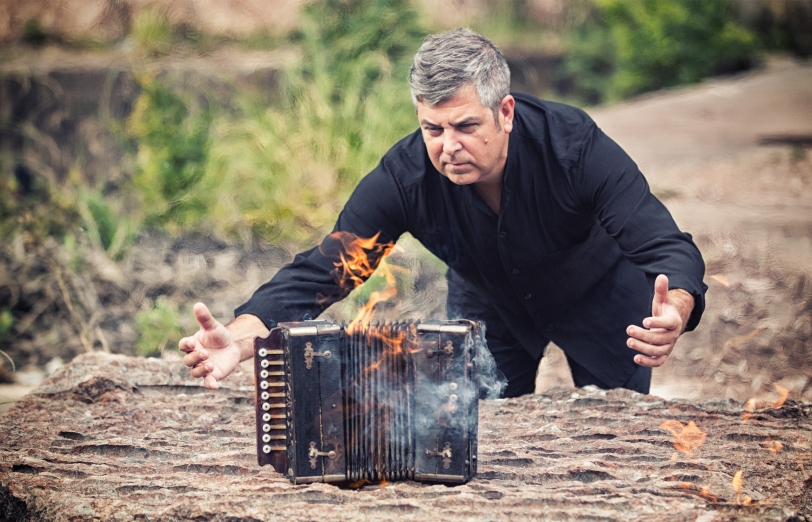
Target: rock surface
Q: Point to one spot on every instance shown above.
(111, 437)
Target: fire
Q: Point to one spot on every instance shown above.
(737, 487)
(704, 492)
(734, 342)
(752, 404)
(686, 437)
(737, 482)
(358, 259)
(783, 393)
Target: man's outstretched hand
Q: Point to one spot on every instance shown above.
(216, 350)
(670, 311)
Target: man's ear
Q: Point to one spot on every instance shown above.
(506, 108)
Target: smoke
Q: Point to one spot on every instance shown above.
(492, 382)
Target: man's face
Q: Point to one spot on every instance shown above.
(463, 140)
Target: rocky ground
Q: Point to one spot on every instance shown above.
(111, 437)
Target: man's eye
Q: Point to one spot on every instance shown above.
(434, 131)
(467, 127)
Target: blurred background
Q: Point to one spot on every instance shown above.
(156, 153)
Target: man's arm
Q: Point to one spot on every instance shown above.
(215, 350)
(609, 182)
(305, 287)
(670, 311)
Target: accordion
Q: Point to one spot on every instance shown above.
(381, 402)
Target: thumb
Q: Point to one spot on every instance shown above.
(660, 295)
(204, 317)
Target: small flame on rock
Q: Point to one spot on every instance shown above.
(704, 492)
(686, 437)
(753, 404)
(783, 393)
(737, 487)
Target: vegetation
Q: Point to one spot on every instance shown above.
(629, 47)
(159, 328)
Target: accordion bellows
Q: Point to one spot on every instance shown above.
(387, 401)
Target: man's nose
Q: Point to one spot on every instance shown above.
(450, 143)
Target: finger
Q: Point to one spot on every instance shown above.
(660, 294)
(195, 358)
(204, 317)
(202, 370)
(648, 349)
(657, 337)
(188, 344)
(211, 383)
(651, 362)
(666, 322)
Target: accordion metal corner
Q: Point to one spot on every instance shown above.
(387, 401)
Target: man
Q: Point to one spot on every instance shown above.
(549, 230)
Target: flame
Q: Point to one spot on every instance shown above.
(783, 393)
(358, 484)
(358, 259)
(367, 311)
(733, 341)
(752, 404)
(704, 492)
(737, 487)
(686, 437)
(737, 482)
(777, 446)
(721, 279)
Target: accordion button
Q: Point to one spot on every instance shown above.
(264, 374)
(266, 438)
(266, 406)
(264, 363)
(265, 396)
(266, 428)
(266, 449)
(266, 417)
(264, 385)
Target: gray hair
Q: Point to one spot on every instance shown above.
(449, 61)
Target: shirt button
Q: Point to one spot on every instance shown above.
(549, 328)
(502, 233)
(514, 271)
(528, 296)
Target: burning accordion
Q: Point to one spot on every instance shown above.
(387, 401)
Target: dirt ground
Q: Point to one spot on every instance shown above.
(748, 206)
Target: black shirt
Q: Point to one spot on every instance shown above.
(571, 256)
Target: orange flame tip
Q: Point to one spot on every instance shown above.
(686, 437)
(783, 393)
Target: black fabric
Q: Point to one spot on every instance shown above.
(571, 257)
(640, 380)
(517, 365)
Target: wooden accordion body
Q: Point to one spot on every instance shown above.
(385, 402)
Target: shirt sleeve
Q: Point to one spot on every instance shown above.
(611, 185)
(313, 281)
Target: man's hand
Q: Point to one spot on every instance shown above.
(216, 350)
(670, 311)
